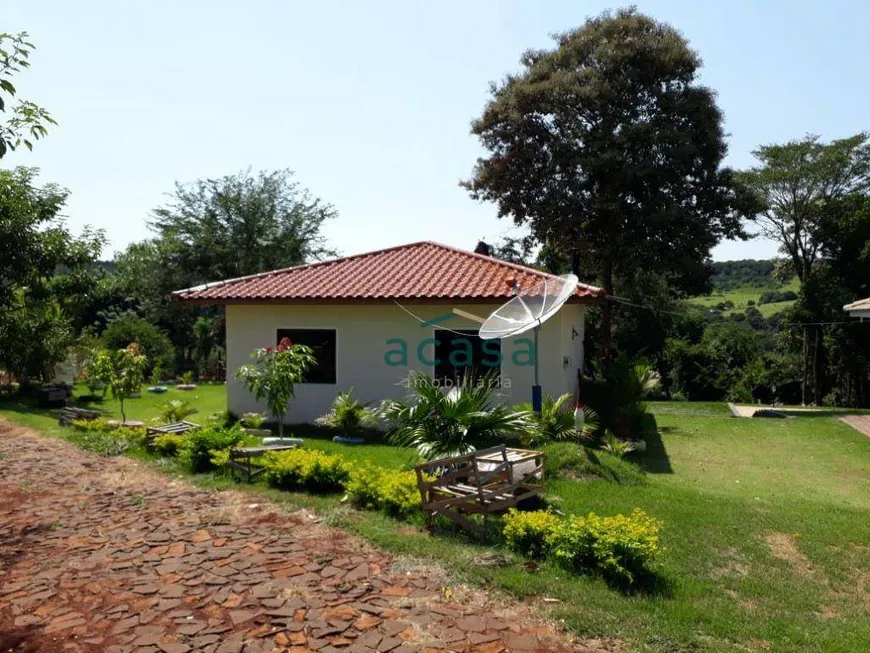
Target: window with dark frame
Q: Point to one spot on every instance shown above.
(322, 342)
(464, 354)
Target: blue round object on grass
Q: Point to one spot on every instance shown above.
(158, 389)
(346, 439)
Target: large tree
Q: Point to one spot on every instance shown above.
(839, 353)
(44, 272)
(25, 121)
(243, 224)
(795, 181)
(216, 229)
(609, 147)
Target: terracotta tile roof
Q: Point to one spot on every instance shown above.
(422, 271)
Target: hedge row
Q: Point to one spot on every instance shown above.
(366, 486)
(620, 548)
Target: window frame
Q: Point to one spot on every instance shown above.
(458, 378)
(278, 338)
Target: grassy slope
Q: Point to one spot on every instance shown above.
(721, 485)
(741, 295)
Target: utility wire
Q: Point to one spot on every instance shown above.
(622, 300)
(422, 321)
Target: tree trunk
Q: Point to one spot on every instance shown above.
(123, 412)
(806, 369)
(818, 368)
(606, 315)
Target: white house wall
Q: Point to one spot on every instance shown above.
(362, 332)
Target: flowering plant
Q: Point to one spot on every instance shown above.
(274, 374)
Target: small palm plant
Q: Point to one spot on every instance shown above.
(649, 381)
(441, 424)
(176, 410)
(253, 420)
(349, 415)
(614, 445)
(556, 421)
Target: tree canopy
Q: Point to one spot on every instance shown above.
(25, 121)
(609, 146)
(44, 273)
(794, 181)
(216, 229)
(242, 224)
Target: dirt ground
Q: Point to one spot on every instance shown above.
(108, 555)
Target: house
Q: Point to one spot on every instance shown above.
(860, 308)
(373, 318)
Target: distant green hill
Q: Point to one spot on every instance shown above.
(728, 275)
(742, 282)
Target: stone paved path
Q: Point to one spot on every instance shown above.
(107, 555)
(860, 423)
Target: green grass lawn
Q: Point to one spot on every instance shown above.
(767, 531)
(207, 398)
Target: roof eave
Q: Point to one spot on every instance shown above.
(219, 301)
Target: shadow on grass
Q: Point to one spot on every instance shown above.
(489, 536)
(647, 584)
(25, 405)
(656, 460)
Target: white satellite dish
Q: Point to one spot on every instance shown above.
(529, 310)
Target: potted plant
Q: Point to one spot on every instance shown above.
(186, 381)
(156, 387)
(253, 423)
(350, 417)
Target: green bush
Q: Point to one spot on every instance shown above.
(169, 444)
(155, 343)
(618, 547)
(393, 491)
(105, 443)
(363, 487)
(529, 533)
(196, 452)
(101, 426)
(574, 461)
(348, 415)
(301, 468)
(399, 494)
(618, 400)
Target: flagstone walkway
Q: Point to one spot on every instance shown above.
(108, 555)
(860, 423)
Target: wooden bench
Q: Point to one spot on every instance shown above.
(482, 482)
(66, 416)
(242, 459)
(176, 428)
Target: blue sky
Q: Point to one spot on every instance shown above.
(370, 103)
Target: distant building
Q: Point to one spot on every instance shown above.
(860, 308)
